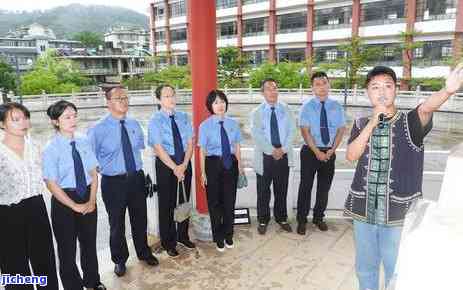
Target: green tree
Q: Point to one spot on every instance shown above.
(89, 39)
(7, 76)
(287, 74)
(53, 75)
(177, 76)
(357, 57)
(231, 67)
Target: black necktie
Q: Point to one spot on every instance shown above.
(81, 182)
(127, 149)
(274, 133)
(179, 153)
(226, 152)
(324, 125)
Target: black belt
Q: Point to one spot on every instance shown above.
(126, 175)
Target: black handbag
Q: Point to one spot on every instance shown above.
(150, 187)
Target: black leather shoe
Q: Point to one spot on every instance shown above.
(187, 244)
(99, 286)
(301, 229)
(262, 229)
(119, 270)
(321, 225)
(286, 227)
(151, 260)
(172, 253)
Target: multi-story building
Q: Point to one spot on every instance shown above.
(22, 47)
(128, 38)
(109, 64)
(295, 30)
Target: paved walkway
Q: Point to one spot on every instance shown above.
(277, 260)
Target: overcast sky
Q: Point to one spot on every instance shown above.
(137, 5)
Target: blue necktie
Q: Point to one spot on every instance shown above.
(226, 153)
(127, 149)
(179, 153)
(324, 125)
(81, 182)
(274, 133)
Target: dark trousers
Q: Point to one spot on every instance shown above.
(325, 172)
(276, 172)
(119, 194)
(27, 238)
(167, 182)
(70, 226)
(221, 196)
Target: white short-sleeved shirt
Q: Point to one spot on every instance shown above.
(20, 178)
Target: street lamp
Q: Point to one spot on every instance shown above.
(346, 79)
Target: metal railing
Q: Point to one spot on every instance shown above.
(354, 98)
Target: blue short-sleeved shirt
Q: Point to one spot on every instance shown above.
(160, 130)
(58, 164)
(210, 138)
(105, 139)
(309, 116)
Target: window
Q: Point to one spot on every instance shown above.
(447, 51)
(226, 29)
(383, 12)
(418, 53)
(434, 52)
(435, 9)
(159, 12)
(256, 57)
(177, 9)
(292, 55)
(223, 4)
(388, 51)
(160, 37)
(178, 35)
(331, 54)
(182, 59)
(338, 17)
(256, 26)
(245, 2)
(294, 22)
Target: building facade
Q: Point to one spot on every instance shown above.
(20, 48)
(127, 38)
(282, 30)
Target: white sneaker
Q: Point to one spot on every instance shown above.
(229, 244)
(220, 247)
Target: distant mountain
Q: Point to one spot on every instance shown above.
(65, 21)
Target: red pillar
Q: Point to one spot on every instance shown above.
(407, 55)
(272, 30)
(152, 30)
(458, 40)
(355, 18)
(167, 30)
(310, 29)
(239, 25)
(203, 48)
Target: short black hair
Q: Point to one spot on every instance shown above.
(56, 110)
(212, 96)
(380, 70)
(109, 87)
(159, 90)
(7, 108)
(262, 84)
(318, 74)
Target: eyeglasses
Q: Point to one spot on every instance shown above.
(120, 99)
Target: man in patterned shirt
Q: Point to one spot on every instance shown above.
(388, 148)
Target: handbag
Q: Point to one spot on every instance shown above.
(242, 181)
(183, 210)
(150, 187)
